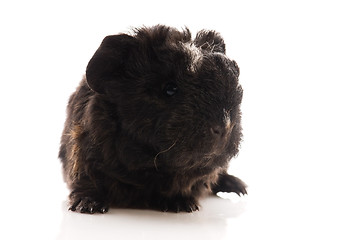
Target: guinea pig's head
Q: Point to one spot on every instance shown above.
(179, 98)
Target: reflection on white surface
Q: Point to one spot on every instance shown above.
(211, 222)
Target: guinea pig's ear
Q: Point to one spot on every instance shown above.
(108, 62)
(210, 40)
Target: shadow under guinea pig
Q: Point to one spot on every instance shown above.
(208, 223)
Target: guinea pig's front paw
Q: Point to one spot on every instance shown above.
(88, 205)
(179, 204)
(229, 183)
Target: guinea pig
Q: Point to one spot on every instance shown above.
(154, 123)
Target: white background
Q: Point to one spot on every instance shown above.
(300, 67)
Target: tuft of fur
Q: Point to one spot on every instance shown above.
(153, 123)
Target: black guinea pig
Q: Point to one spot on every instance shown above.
(154, 123)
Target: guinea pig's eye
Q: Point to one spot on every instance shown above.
(170, 89)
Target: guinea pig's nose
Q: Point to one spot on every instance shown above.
(222, 131)
(218, 131)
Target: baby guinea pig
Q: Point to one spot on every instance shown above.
(154, 123)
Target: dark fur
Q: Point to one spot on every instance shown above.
(126, 143)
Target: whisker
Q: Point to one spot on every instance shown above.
(155, 158)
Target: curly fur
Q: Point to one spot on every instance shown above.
(154, 123)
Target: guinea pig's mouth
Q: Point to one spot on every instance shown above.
(218, 149)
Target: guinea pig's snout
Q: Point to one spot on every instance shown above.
(222, 131)
(220, 136)
(218, 132)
